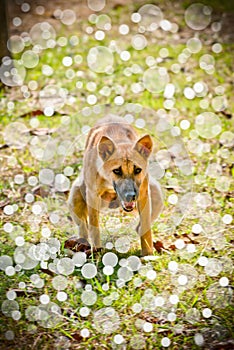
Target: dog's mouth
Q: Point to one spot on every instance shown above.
(128, 206)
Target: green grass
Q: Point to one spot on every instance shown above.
(215, 242)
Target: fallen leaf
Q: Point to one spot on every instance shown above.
(48, 272)
(4, 146)
(24, 292)
(158, 245)
(35, 113)
(77, 244)
(226, 345)
(40, 191)
(176, 189)
(226, 114)
(4, 202)
(41, 131)
(149, 318)
(189, 239)
(77, 336)
(32, 113)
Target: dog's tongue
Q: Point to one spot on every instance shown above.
(129, 205)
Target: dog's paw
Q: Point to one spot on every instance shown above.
(77, 244)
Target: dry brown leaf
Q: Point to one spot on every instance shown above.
(77, 244)
(158, 245)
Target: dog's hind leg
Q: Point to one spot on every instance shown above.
(93, 203)
(144, 229)
(155, 207)
(156, 199)
(78, 208)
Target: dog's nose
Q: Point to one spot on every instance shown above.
(130, 196)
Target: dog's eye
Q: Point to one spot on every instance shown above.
(117, 171)
(137, 171)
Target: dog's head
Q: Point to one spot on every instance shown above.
(125, 166)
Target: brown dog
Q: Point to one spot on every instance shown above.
(115, 173)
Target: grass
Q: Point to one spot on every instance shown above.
(141, 309)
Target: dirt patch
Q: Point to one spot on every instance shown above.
(42, 10)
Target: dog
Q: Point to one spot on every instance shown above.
(115, 173)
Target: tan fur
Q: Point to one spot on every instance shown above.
(112, 144)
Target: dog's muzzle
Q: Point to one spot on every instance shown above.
(128, 199)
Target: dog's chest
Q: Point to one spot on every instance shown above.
(109, 196)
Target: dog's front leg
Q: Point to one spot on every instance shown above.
(93, 215)
(144, 208)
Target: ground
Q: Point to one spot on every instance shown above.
(168, 73)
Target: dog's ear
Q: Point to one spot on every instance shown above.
(144, 146)
(106, 147)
